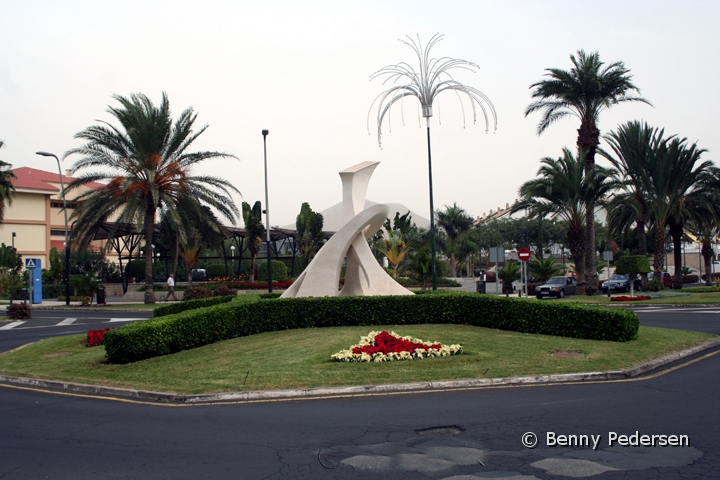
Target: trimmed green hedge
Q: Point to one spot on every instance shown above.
(195, 328)
(178, 307)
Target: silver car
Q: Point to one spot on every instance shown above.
(557, 287)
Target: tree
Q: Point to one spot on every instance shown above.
(310, 236)
(255, 231)
(508, 274)
(455, 222)
(631, 145)
(632, 265)
(584, 92)
(543, 268)
(7, 190)
(147, 169)
(564, 188)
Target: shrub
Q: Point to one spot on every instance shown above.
(224, 291)
(96, 337)
(183, 306)
(279, 271)
(83, 299)
(195, 328)
(270, 295)
(19, 311)
(690, 278)
(711, 289)
(654, 285)
(195, 292)
(216, 270)
(258, 285)
(632, 265)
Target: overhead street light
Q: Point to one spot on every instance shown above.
(267, 214)
(67, 240)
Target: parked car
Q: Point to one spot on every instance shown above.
(557, 287)
(667, 279)
(616, 283)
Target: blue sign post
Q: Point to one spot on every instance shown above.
(34, 266)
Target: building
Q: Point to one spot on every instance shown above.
(35, 222)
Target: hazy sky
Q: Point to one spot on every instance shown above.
(302, 70)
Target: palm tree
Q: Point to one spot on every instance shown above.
(310, 236)
(704, 221)
(584, 92)
(147, 169)
(564, 189)
(7, 190)
(672, 183)
(255, 231)
(455, 222)
(543, 268)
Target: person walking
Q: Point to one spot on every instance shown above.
(171, 288)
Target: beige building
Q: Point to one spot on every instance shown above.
(34, 222)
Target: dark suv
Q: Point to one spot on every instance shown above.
(557, 287)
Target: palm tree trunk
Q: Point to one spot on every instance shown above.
(659, 255)
(591, 276)
(576, 244)
(149, 230)
(708, 253)
(676, 231)
(453, 265)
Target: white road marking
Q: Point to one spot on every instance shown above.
(67, 321)
(127, 319)
(12, 325)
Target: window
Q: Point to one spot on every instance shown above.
(57, 233)
(60, 205)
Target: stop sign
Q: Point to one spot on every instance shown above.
(524, 254)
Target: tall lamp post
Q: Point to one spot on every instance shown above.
(267, 213)
(67, 240)
(13, 240)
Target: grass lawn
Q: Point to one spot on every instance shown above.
(664, 298)
(116, 306)
(301, 359)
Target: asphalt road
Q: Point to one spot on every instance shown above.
(459, 435)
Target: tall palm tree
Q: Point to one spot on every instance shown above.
(584, 92)
(704, 219)
(7, 190)
(455, 222)
(252, 216)
(147, 168)
(632, 146)
(563, 189)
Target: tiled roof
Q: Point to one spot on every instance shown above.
(35, 179)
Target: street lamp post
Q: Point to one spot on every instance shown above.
(67, 240)
(267, 213)
(232, 260)
(13, 240)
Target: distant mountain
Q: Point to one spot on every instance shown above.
(333, 216)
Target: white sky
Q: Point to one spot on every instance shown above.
(301, 69)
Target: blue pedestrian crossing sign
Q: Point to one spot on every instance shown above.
(30, 263)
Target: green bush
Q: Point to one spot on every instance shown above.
(215, 270)
(702, 289)
(195, 328)
(270, 295)
(19, 311)
(632, 265)
(223, 291)
(178, 307)
(279, 271)
(195, 292)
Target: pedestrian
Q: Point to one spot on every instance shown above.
(171, 288)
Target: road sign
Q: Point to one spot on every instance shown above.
(608, 255)
(524, 254)
(30, 263)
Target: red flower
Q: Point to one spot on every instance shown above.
(95, 337)
(386, 343)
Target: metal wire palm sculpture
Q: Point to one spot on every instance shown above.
(426, 84)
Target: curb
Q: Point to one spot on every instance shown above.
(308, 393)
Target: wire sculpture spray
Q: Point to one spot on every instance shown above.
(426, 84)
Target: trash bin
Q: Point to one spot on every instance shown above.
(100, 294)
(480, 286)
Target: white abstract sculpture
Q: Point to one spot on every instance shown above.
(363, 274)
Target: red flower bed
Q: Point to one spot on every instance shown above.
(386, 343)
(625, 298)
(95, 337)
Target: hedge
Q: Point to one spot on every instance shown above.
(178, 307)
(196, 328)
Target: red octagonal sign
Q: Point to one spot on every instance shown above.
(524, 254)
